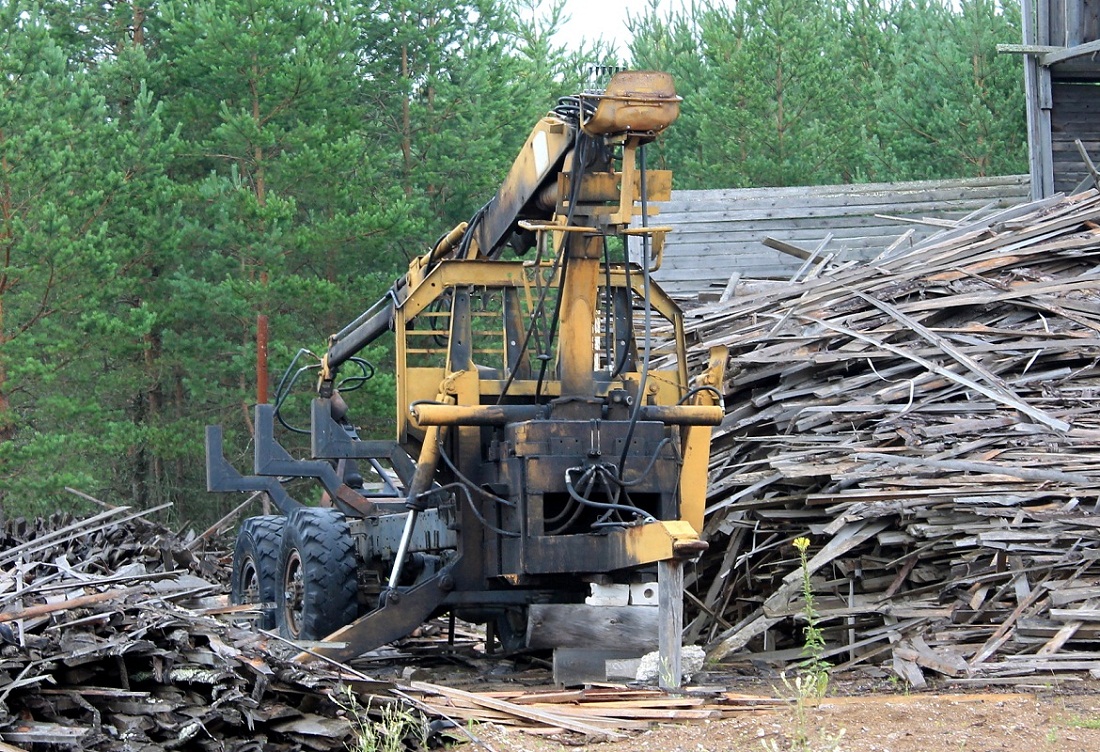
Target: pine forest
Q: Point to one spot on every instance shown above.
(172, 170)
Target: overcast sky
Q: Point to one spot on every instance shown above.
(592, 19)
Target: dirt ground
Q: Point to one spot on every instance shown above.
(1028, 719)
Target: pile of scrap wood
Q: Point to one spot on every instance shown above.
(931, 421)
(595, 713)
(114, 636)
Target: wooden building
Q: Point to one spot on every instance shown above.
(777, 233)
(1062, 80)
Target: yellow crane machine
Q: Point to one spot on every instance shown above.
(548, 457)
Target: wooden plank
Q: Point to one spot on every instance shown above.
(1069, 629)
(1080, 50)
(708, 224)
(969, 363)
(664, 701)
(552, 625)
(79, 602)
(743, 194)
(826, 209)
(1074, 615)
(636, 713)
(670, 629)
(35, 732)
(1039, 415)
(545, 717)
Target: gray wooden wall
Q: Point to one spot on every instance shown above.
(1062, 83)
(1074, 116)
(1068, 23)
(721, 232)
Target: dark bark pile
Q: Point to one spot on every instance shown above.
(115, 635)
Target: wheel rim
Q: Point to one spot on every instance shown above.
(294, 593)
(250, 582)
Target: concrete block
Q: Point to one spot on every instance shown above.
(608, 595)
(643, 594)
(622, 669)
(577, 666)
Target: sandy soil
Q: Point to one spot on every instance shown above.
(1024, 721)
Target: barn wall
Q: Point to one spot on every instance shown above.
(1075, 115)
(1062, 83)
(721, 232)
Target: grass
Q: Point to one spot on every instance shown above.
(382, 729)
(1084, 723)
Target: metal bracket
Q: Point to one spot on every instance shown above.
(222, 476)
(404, 610)
(272, 459)
(331, 440)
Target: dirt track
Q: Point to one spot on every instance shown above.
(1034, 720)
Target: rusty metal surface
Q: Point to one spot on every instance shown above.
(637, 102)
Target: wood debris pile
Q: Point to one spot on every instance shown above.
(931, 421)
(115, 634)
(598, 713)
(109, 640)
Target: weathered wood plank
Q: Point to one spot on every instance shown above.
(945, 392)
(549, 718)
(724, 229)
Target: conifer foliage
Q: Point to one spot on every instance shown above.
(171, 171)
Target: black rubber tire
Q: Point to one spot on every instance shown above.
(255, 576)
(317, 579)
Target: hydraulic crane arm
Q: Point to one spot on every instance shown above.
(636, 103)
(548, 444)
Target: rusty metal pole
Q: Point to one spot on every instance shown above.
(261, 359)
(261, 376)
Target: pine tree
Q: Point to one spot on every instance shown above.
(291, 214)
(955, 107)
(78, 178)
(671, 43)
(780, 88)
(460, 84)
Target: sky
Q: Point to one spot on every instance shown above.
(590, 19)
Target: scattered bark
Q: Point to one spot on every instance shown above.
(116, 635)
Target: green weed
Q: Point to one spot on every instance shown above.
(813, 680)
(384, 729)
(815, 669)
(1084, 723)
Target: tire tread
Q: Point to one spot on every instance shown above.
(261, 537)
(327, 552)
